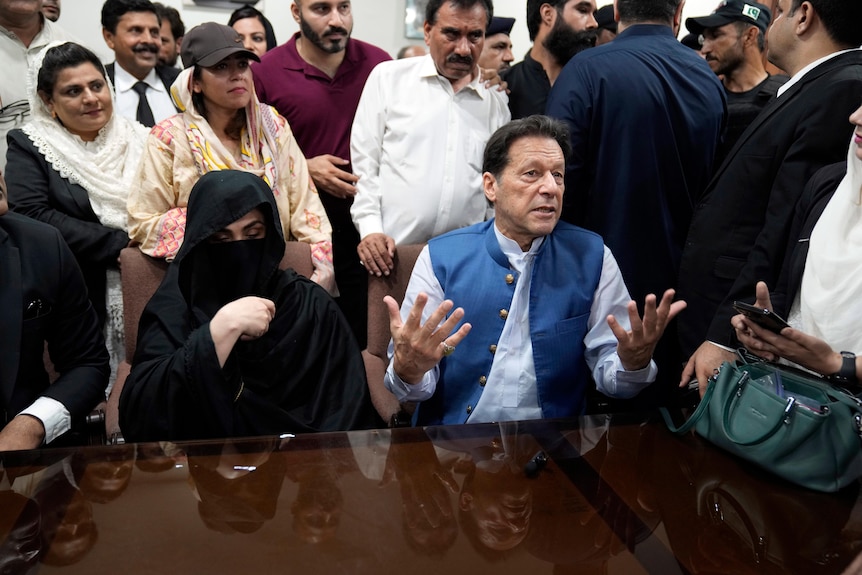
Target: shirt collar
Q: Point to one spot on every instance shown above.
(512, 250)
(801, 73)
(427, 69)
(123, 81)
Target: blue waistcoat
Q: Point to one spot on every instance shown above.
(475, 274)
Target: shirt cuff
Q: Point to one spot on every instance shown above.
(724, 347)
(404, 391)
(53, 415)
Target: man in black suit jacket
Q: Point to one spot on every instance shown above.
(739, 231)
(132, 29)
(43, 298)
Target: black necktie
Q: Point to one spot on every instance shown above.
(145, 114)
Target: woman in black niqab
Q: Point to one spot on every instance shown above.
(304, 374)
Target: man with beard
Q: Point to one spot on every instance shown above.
(315, 81)
(132, 29)
(172, 32)
(645, 114)
(559, 29)
(734, 37)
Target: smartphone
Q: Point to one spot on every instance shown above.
(761, 316)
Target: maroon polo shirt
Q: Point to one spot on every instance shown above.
(319, 109)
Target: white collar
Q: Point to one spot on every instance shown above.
(428, 69)
(123, 81)
(799, 75)
(512, 250)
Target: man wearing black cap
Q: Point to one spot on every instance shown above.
(734, 37)
(739, 230)
(607, 29)
(497, 53)
(559, 29)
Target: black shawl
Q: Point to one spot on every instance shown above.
(305, 374)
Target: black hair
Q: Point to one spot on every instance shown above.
(113, 10)
(841, 19)
(59, 58)
(534, 14)
(647, 10)
(252, 12)
(433, 7)
(169, 13)
(496, 156)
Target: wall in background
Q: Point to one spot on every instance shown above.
(380, 22)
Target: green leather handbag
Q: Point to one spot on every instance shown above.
(794, 425)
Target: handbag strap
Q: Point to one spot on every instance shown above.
(695, 417)
(728, 408)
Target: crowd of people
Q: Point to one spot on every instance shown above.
(589, 214)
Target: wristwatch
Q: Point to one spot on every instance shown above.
(847, 374)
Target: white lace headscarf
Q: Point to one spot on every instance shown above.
(105, 167)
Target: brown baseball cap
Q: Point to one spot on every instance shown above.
(210, 43)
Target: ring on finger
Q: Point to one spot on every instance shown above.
(447, 349)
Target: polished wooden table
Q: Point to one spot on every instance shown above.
(600, 494)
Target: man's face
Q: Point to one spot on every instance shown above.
(15, 10)
(574, 30)
(51, 9)
(456, 39)
(781, 35)
(722, 48)
(497, 53)
(528, 196)
(327, 24)
(136, 43)
(170, 49)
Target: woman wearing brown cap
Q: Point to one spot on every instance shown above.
(223, 126)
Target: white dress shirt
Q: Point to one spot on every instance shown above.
(801, 73)
(127, 99)
(16, 59)
(417, 147)
(511, 392)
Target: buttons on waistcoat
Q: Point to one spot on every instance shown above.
(504, 313)
(469, 409)
(483, 380)
(510, 279)
(492, 348)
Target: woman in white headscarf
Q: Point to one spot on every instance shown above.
(222, 126)
(72, 166)
(820, 288)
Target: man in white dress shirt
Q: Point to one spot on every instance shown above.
(24, 32)
(418, 135)
(543, 301)
(132, 29)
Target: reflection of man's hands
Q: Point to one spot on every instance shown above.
(424, 483)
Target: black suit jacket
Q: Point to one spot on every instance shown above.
(43, 298)
(739, 231)
(38, 191)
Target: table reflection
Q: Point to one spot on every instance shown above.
(615, 494)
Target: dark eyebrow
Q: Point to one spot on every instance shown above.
(253, 224)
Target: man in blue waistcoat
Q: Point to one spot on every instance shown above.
(543, 301)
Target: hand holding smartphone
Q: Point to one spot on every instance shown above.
(761, 316)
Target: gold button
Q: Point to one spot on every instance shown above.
(483, 380)
(492, 348)
(469, 409)
(504, 313)
(510, 279)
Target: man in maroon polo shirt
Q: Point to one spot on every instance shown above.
(315, 81)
